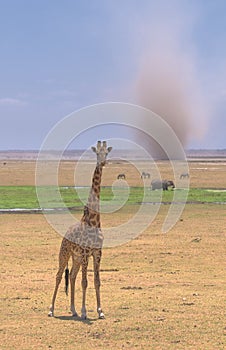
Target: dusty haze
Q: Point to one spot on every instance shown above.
(167, 82)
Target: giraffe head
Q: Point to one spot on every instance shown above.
(101, 151)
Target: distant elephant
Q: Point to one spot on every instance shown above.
(121, 176)
(145, 175)
(169, 183)
(164, 184)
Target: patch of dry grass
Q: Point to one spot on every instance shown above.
(159, 291)
(202, 174)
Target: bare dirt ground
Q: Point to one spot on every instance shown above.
(159, 291)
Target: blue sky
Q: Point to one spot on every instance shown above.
(60, 56)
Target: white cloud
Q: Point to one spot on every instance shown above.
(8, 101)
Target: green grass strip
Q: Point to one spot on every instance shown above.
(25, 196)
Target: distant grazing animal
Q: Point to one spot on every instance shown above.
(121, 176)
(164, 184)
(145, 175)
(84, 239)
(184, 175)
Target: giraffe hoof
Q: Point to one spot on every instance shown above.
(50, 314)
(74, 314)
(83, 317)
(101, 316)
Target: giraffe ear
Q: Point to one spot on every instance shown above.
(94, 149)
(109, 149)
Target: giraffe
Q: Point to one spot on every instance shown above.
(84, 239)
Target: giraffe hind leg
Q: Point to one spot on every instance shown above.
(64, 256)
(58, 280)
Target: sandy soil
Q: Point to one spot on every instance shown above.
(159, 291)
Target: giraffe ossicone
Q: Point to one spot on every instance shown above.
(83, 240)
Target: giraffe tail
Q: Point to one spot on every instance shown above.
(66, 279)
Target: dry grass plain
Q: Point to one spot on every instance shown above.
(203, 174)
(159, 291)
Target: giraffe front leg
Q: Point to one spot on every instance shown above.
(97, 287)
(96, 268)
(101, 314)
(51, 311)
(84, 288)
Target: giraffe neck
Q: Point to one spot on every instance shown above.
(91, 214)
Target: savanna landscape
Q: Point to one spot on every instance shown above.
(159, 290)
